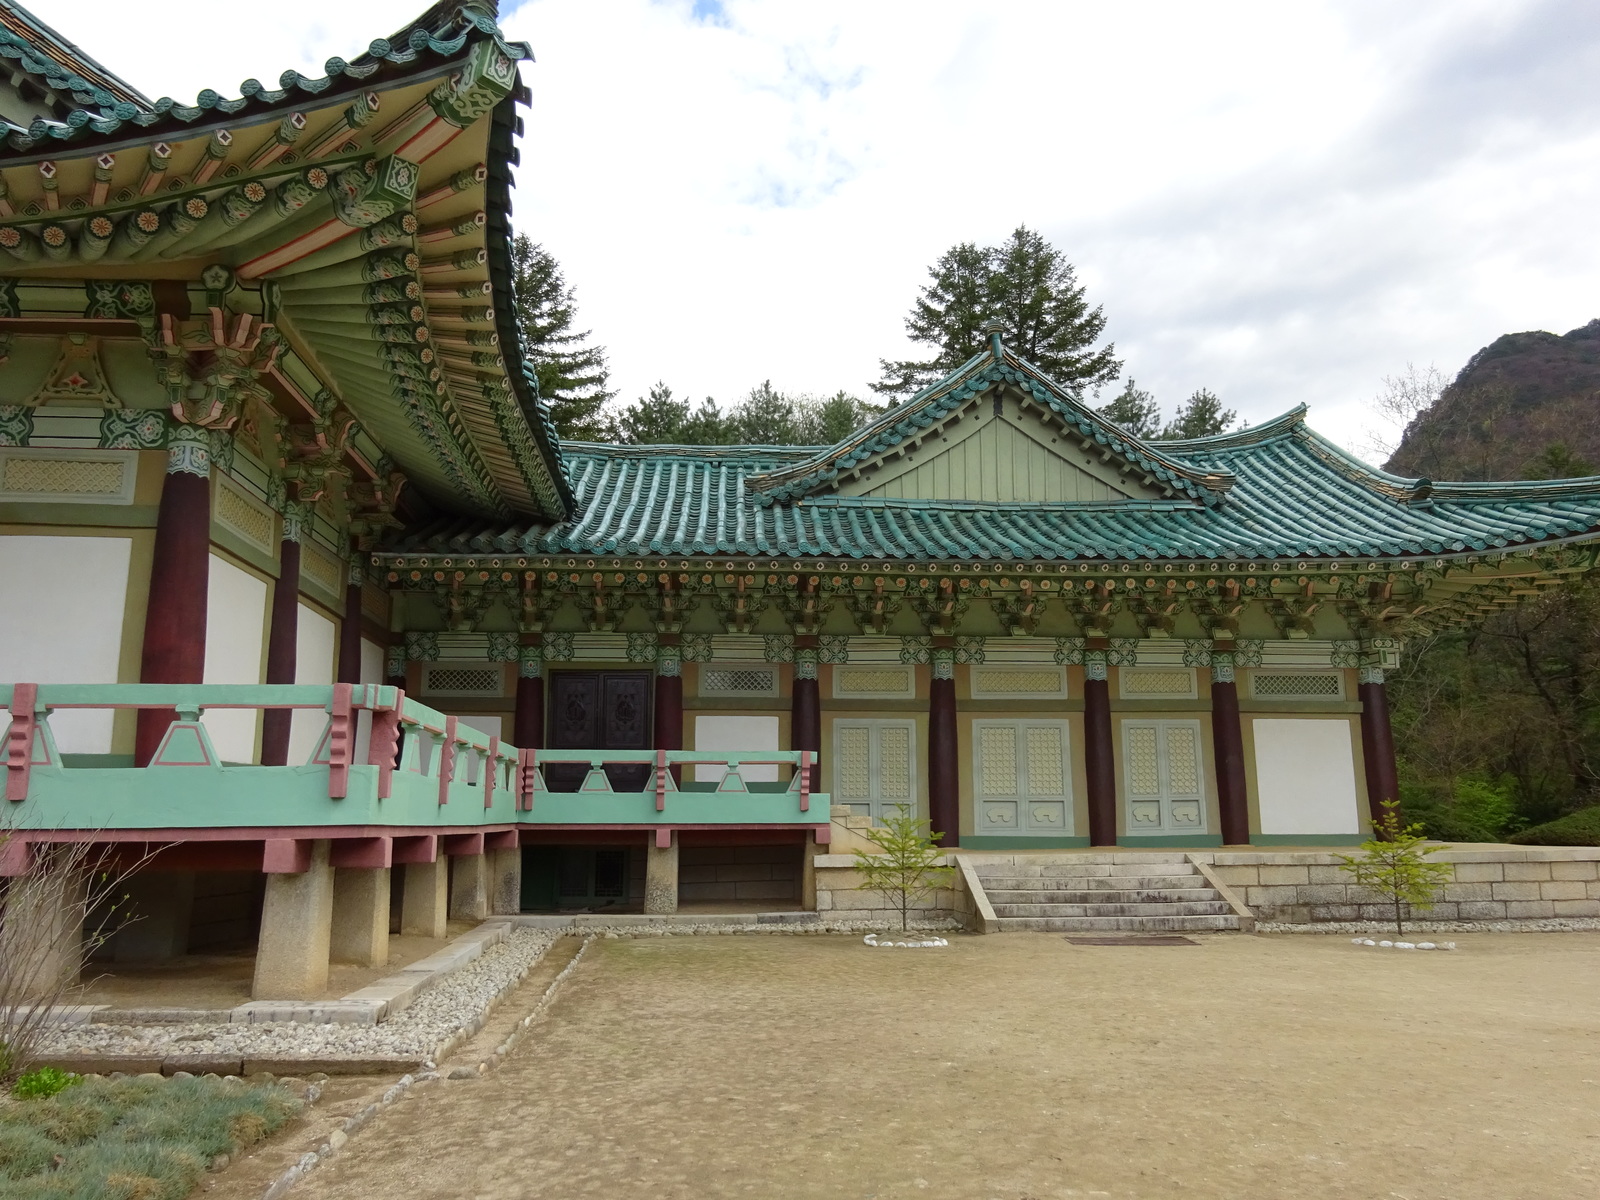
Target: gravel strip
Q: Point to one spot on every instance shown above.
(437, 1013)
(1554, 925)
(794, 928)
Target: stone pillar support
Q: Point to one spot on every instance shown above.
(469, 887)
(42, 936)
(424, 906)
(360, 932)
(661, 874)
(174, 648)
(1098, 754)
(296, 931)
(505, 881)
(944, 756)
(1377, 742)
(1227, 747)
(283, 634)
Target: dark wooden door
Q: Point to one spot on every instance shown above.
(599, 710)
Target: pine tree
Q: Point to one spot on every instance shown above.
(824, 422)
(1201, 415)
(572, 373)
(766, 417)
(1134, 410)
(1026, 283)
(655, 419)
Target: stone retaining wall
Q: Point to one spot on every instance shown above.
(1498, 884)
(839, 897)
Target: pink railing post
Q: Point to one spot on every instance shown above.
(805, 781)
(447, 759)
(19, 746)
(383, 748)
(341, 742)
(661, 780)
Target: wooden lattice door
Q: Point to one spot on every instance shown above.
(599, 710)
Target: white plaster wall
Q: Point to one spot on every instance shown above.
(736, 733)
(313, 663)
(1306, 776)
(61, 608)
(485, 723)
(371, 672)
(236, 614)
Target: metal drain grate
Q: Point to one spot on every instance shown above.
(1155, 940)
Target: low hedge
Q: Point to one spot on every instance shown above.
(1581, 828)
(131, 1139)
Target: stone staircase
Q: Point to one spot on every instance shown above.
(1101, 893)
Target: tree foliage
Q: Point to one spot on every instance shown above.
(905, 868)
(1395, 865)
(1024, 282)
(1137, 411)
(572, 372)
(1201, 415)
(763, 417)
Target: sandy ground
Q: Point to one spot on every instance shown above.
(1020, 1067)
(223, 980)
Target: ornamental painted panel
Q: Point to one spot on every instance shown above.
(1146, 683)
(1021, 778)
(67, 477)
(880, 683)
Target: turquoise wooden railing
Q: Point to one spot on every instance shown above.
(420, 768)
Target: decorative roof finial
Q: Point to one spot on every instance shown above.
(994, 327)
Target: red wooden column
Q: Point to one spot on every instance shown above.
(1227, 748)
(174, 648)
(1098, 756)
(944, 756)
(669, 698)
(805, 707)
(283, 634)
(1377, 742)
(528, 731)
(350, 626)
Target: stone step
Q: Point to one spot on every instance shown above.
(1117, 924)
(1202, 908)
(1086, 857)
(1094, 883)
(998, 896)
(1071, 869)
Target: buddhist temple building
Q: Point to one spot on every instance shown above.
(297, 580)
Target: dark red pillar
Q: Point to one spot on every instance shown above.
(175, 619)
(1227, 747)
(350, 628)
(1098, 756)
(283, 635)
(669, 705)
(528, 731)
(944, 756)
(805, 714)
(1377, 743)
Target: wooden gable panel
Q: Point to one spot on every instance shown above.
(1009, 457)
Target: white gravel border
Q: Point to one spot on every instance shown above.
(1552, 925)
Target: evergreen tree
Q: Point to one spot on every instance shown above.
(824, 422)
(766, 417)
(1135, 410)
(1201, 415)
(572, 373)
(1026, 283)
(655, 419)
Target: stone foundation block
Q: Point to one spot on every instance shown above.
(661, 878)
(1326, 893)
(1515, 891)
(424, 908)
(1577, 908)
(1472, 872)
(1336, 912)
(1468, 891)
(360, 916)
(1239, 877)
(296, 931)
(1283, 875)
(1593, 890)
(1575, 870)
(1518, 872)
(1570, 889)
(1481, 910)
(469, 887)
(1535, 909)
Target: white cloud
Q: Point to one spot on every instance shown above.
(1281, 202)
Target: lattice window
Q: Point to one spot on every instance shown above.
(854, 767)
(998, 747)
(245, 517)
(1024, 683)
(323, 569)
(1144, 764)
(1046, 753)
(1183, 758)
(62, 476)
(895, 763)
(739, 681)
(1163, 767)
(1021, 780)
(880, 682)
(463, 681)
(1141, 683)
(1286, 685)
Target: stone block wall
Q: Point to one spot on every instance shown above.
(839, 896)
(1510, 883)
(726, 873)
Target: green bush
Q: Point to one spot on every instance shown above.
(42, 1082)
(1479, 810)
(1581, 828)
(131, 1139)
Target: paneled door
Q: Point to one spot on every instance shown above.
(599, 710)
(874, 766)
(1164, 782)
(1022, 778)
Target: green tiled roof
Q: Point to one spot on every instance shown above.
(1293, 494)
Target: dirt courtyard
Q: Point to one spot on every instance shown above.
(1021, 1067)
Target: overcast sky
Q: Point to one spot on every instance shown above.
(1281, 202)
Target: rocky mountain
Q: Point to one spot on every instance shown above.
(1525, 406)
